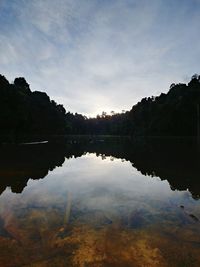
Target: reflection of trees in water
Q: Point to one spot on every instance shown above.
(20, 163)
(173, 160)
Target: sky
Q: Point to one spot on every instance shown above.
(100, 55)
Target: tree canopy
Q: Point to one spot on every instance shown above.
(23, 112)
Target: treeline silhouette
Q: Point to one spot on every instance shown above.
(173, 114)
(23, 113)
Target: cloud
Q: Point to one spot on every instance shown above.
(97, 55)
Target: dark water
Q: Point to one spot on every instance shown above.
(104, 202)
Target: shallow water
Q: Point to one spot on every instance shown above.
(98, 209)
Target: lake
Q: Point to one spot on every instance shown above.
(100, 202)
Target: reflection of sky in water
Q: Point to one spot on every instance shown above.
(94, 212)
(109, 186)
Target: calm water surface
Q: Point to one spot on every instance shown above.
(90, 205)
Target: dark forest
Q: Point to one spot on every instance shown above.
(25, 113)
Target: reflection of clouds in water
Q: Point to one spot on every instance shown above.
(99, 184)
